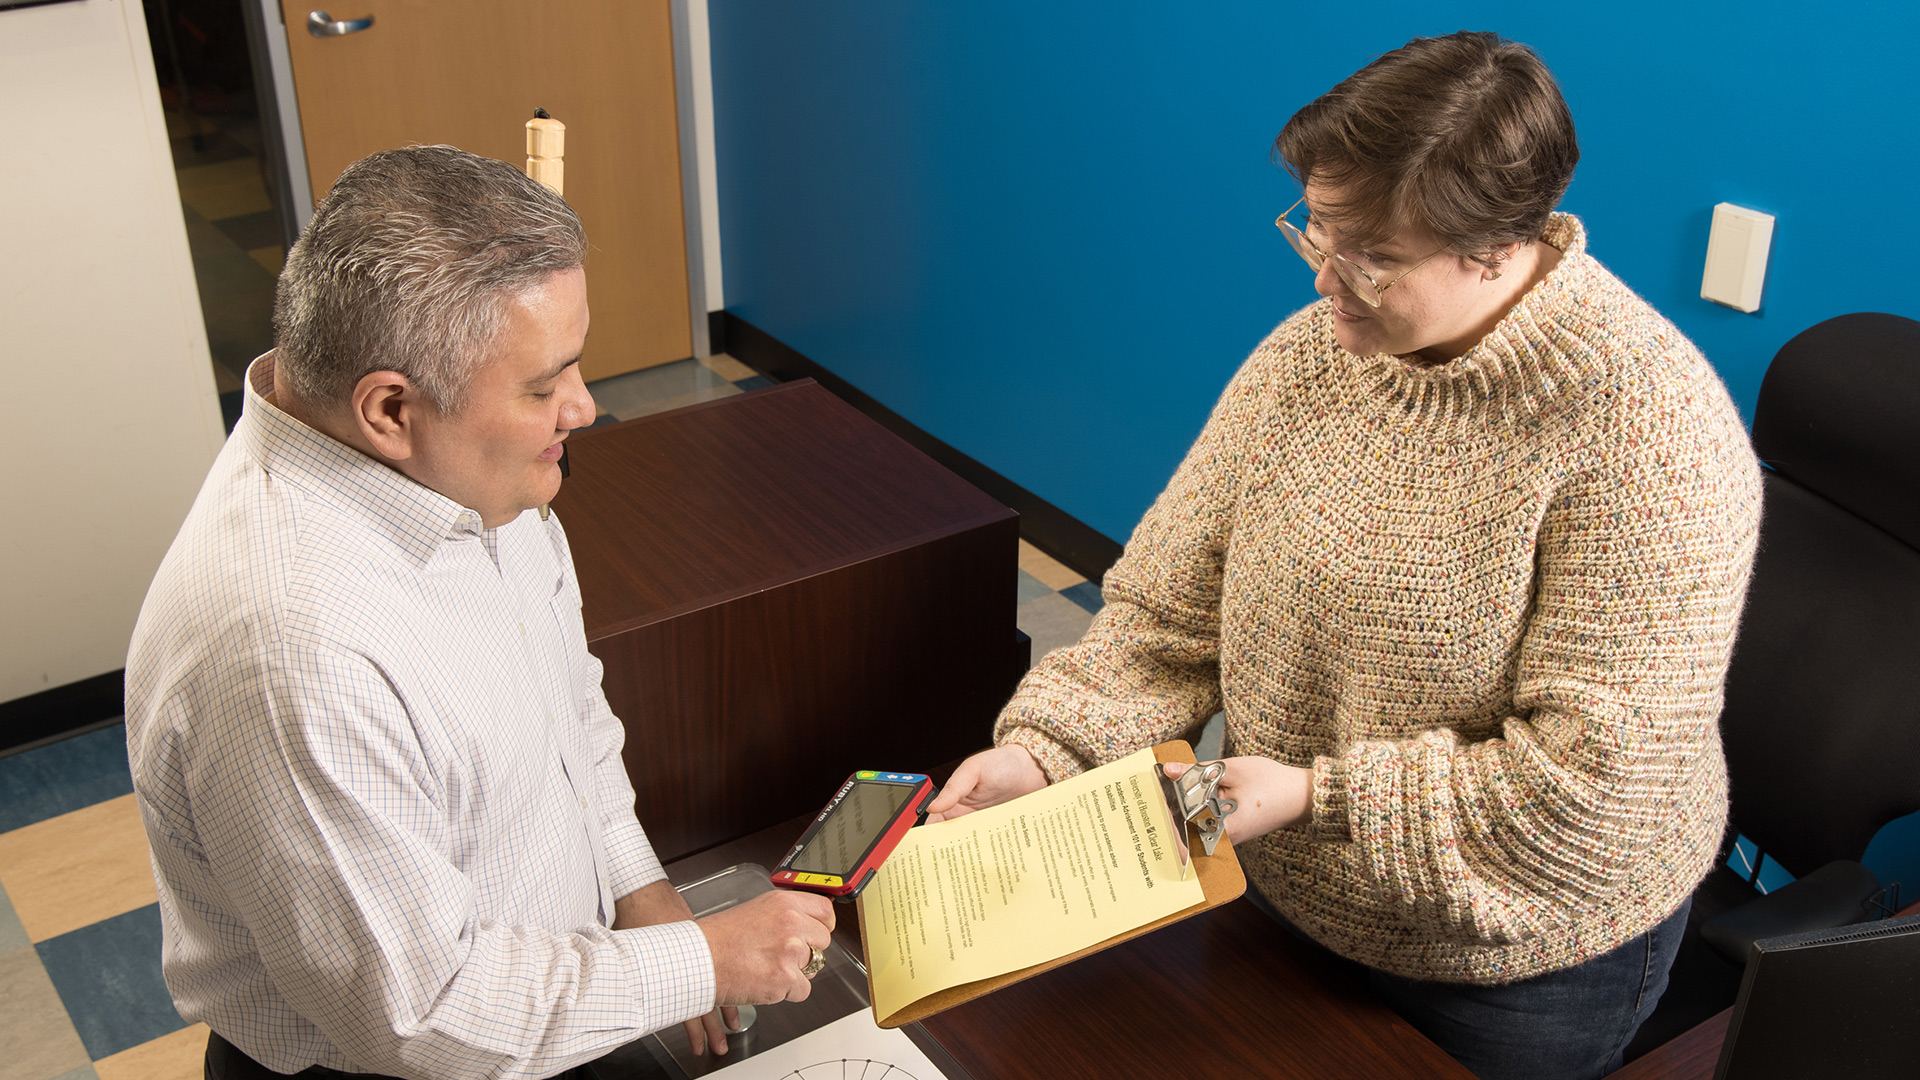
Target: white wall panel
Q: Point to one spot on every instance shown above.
(108, 414)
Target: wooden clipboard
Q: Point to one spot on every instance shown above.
(1221, 880)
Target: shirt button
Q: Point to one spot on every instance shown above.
(523, 629)
(583, 804)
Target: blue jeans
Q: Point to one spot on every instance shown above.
(1572, 1024)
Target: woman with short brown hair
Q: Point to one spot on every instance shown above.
(1460, 554)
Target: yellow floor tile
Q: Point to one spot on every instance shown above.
(181, 1055)
(273, 257)
(1045, 568)
(39, 1039)
(224, 189)
(76, 869)
(728, 368)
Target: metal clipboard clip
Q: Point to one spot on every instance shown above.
(1193, 799)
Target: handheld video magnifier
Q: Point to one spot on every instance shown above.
(861, 825)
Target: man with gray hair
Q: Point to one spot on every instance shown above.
(391, 828)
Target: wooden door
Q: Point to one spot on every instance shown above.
(470, 74)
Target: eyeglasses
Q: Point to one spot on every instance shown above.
(1356, 277)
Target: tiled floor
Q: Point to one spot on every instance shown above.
(80, 988)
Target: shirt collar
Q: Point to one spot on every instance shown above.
(416, 518)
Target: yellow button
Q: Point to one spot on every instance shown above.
(830, 880)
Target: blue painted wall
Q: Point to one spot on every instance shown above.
(1042, 231)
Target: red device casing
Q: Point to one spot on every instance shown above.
(841, 850)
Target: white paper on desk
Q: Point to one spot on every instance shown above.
(851, 1048)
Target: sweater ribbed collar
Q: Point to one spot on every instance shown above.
(1546, 354)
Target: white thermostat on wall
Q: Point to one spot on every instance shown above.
(1737, 257)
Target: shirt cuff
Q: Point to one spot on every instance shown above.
(671, 970)
(1332, 822)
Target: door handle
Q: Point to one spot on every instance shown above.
(320, 24)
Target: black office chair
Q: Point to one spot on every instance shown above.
(1822, 720)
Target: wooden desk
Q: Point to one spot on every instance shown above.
(1241, 996)
(1690, 1056)
(782, 591)
(1225, 994)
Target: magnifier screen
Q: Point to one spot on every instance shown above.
(851, 829)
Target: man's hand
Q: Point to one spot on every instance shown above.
(760, 946)
(1271, 795)
(656, 905)
(988, 778)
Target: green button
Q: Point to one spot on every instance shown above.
(866, 775)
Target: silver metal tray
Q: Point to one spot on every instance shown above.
(837, 991)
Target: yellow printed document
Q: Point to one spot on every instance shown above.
(1022, 883)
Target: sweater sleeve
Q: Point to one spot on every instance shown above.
(1642, 561)
(1148, 669)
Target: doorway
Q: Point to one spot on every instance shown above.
(225, 160)
(243, 149)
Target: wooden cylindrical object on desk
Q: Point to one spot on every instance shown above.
(546, 151)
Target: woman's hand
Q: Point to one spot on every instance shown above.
(988, 778)
(1271, 795)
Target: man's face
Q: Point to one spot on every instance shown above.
(500, 454)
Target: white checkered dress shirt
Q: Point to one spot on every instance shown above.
(383, 789)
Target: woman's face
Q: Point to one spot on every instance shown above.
(1441, 307)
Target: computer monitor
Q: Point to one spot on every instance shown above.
(1838, 1002)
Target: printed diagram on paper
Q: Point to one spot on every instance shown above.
(851, 1048)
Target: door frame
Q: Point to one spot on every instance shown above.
(279, 114)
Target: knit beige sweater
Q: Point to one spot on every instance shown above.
(1490, 604)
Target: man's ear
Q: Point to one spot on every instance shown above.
(386, 409)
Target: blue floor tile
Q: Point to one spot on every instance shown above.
(1086, 594)
(754, 383)
(64, 776)
(1031, 588)
(12, 934)
(108, 976)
